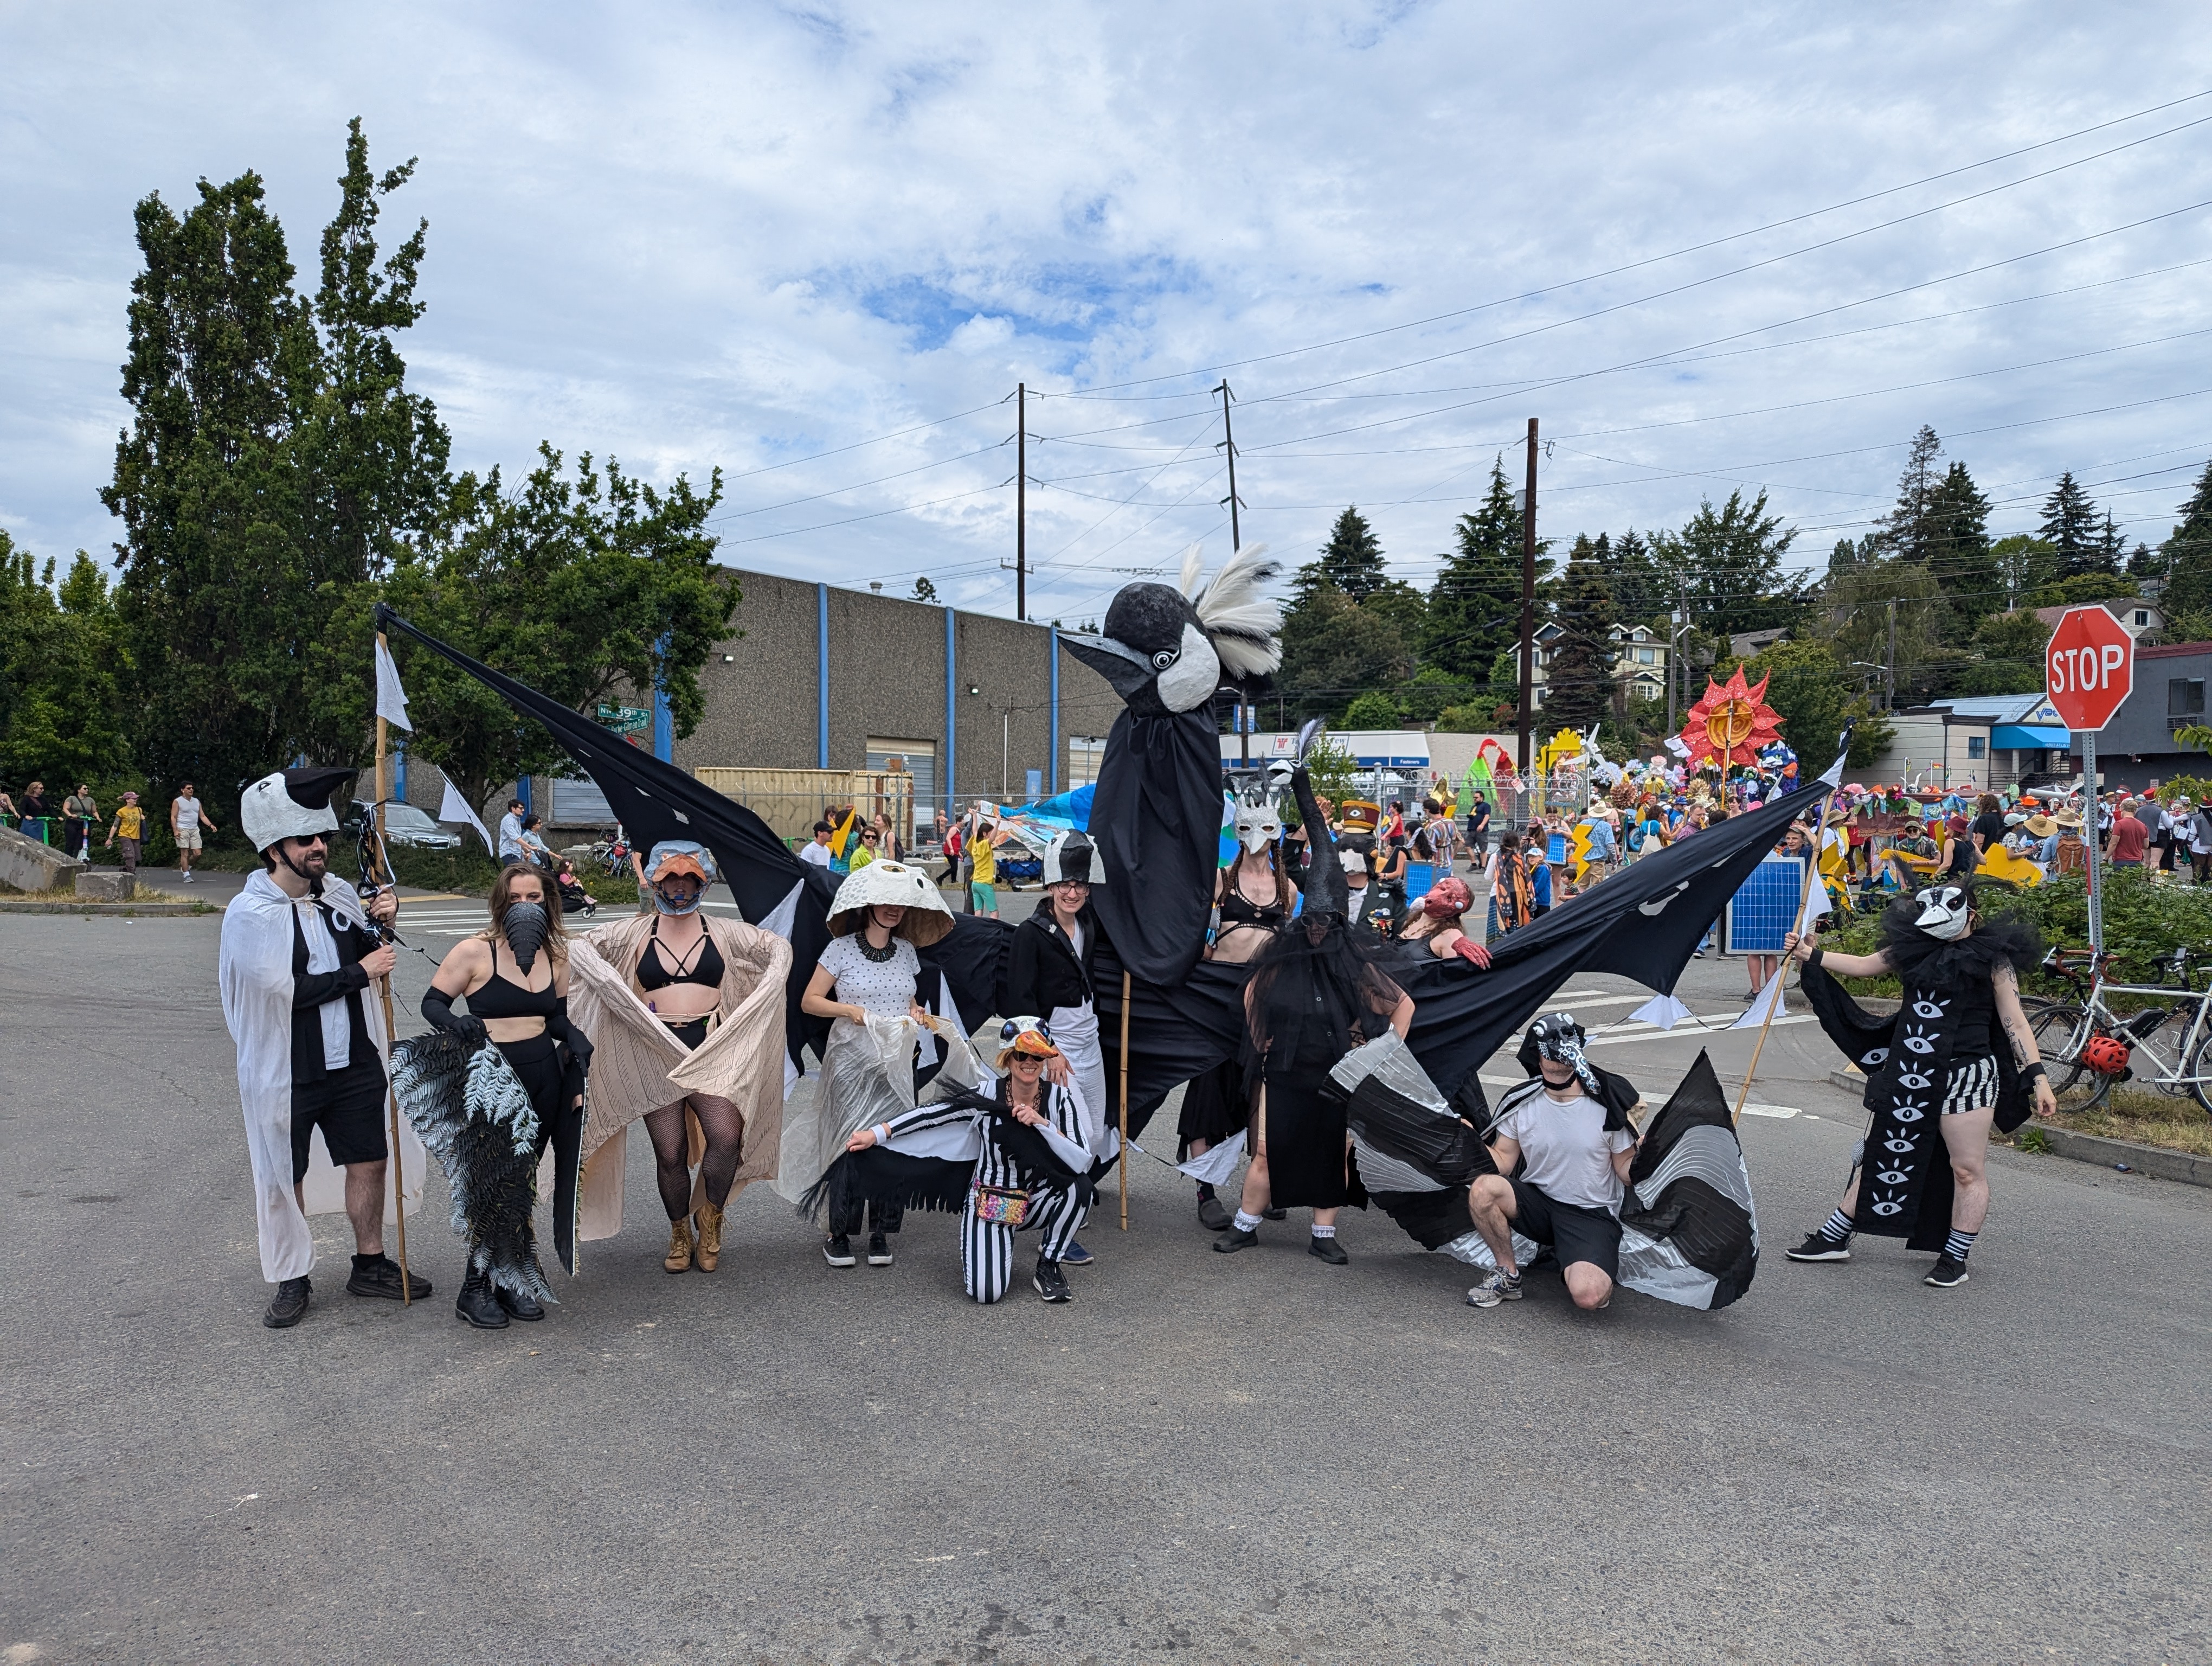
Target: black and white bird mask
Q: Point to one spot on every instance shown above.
(1944, 912)
(1071, 856)
(1558, 1037)
(1259, 823)
(1166, 650)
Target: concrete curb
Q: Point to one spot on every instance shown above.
(1850, 1080)
(2156, 1161)
(90, 909)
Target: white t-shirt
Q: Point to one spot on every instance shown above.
(816, 852)
(187, 813)
(1570, 1154)
(883, 988)
(334, 1016)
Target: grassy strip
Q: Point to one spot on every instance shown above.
(2149, 1119)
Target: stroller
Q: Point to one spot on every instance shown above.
(574, 899)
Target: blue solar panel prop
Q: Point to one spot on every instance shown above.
(1557, 851)
(1764, 909)
(1420, 875)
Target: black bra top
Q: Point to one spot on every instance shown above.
(503, 999)
(652, 968)
(1238, 909)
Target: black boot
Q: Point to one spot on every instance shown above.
(523, 1306)
(478, 1304)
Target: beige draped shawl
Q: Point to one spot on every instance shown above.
(637, 1065)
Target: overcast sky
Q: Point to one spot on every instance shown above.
(744, 236)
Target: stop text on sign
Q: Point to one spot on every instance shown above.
(2087, 670)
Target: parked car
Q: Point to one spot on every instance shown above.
(408, 824)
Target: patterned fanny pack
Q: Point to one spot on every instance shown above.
(1005, 1204)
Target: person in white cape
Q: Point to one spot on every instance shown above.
(298, 957)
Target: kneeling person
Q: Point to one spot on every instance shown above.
(1563, 1136)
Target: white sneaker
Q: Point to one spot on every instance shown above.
(1497, 1287)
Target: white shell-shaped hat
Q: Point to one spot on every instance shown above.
(884, 884)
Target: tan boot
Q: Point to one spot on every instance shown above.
(678, 1258)
(710, 1236)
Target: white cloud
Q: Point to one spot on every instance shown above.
(739, 235)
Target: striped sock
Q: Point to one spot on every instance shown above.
(1836, 1228)
(1959, 1245)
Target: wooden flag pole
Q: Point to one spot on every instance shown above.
(1797, 922)
(1125, 1099)
(383, 988)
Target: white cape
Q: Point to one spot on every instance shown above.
(256, 976)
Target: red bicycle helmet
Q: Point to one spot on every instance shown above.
(2105, 1054)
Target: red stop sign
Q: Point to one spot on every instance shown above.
(2089, 668)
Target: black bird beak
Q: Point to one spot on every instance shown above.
(1128, 670)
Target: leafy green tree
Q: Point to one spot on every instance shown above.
(65, 682)
(2083, 587)
(589, 588)
(2024, 565)
(2070, 526)
(2009, 647)
(1332, 647)
(1814, 694)
(217, 590)
(1433, 691)
(1579, 688)
(1372, 710)
(1862, 606)
(1351, 560)
(924, 591)
(1725, 565)
(1474, 605)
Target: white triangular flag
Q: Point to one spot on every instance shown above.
(390, 698)
(1662, 1012)
(456, 809)
(1217, 1166)
(1767, 1005)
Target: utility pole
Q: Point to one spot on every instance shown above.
(1229, 445)
(1021, 501)
(1889, 668)
(1245, 715)
(1673, 658)
(1528, 603)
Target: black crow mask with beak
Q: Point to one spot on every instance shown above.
(1166, 651)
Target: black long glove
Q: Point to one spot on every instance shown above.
(438, 1009)
(561, 1030)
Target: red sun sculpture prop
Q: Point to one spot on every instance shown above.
(1731, 723)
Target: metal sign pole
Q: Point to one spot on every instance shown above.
(2090, 808)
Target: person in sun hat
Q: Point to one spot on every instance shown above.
(864, 984)
(1016, 1151)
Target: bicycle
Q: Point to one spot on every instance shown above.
(2088, 1047)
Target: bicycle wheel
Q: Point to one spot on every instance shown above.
(2200, 1070)
(2056, 1025)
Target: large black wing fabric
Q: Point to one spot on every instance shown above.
(1642, 924)
(1156, 819)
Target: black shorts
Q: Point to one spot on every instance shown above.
(348, 1105)
(1578, 1234)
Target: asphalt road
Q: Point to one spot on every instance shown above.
(1241, 1459)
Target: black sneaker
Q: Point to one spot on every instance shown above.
(379, 1275)
(1328, 1249)
(1212, 1216)
(1818, 1247)
(289, 1305)
(838, 1251)
(1051, 1283)
(879, 1250)
(1233, 1240)
(1948, 1273)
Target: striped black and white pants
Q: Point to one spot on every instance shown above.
(987, 1247)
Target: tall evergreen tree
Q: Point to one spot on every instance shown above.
(1909, 529)
(1351, 560)
(1630, 576)
(1579, 686)
(1959, 548)
(2187, 552)
(2070, 526)
(1474, 605)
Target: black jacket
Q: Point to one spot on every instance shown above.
(313, 991)
(1044, 970)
